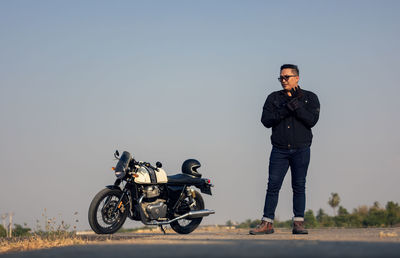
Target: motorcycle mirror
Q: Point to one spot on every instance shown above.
(158, 164)
(116, 154)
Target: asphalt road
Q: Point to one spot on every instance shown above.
(235, 243)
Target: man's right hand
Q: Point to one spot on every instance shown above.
(294, 92)
(294, 104)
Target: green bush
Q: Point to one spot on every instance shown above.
(3, 232)
(363, 216)
(245, 224)
(392, 214)
(283, 224)
(19, 231)
(309, 219)
(342, 219)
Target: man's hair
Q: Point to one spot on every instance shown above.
(294, 68)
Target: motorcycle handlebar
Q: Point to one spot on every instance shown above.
(150, 166)
(146, 164)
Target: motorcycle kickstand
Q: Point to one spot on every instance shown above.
(162, 229)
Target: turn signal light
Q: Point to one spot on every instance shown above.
(113, 168)
(135, 175)
(208, 181)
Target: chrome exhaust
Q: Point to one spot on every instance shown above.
(199, 213)
(190, 214)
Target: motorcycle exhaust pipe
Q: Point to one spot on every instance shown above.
(199, 213)
(190, 214)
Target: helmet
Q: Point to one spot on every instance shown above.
(190, 167)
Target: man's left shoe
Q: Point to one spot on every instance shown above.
(298, 228)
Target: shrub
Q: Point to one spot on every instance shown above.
(3, 232)
(309, 219)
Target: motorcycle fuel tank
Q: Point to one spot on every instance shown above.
(146, 175)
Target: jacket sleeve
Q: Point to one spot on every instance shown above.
(309, 113)
(273, 113)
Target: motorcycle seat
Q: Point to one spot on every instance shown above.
(184, 179)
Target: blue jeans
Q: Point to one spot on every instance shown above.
(279, 162)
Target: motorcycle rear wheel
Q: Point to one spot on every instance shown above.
(186, 226)
(102, 219)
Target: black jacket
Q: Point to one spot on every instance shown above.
(291, 129)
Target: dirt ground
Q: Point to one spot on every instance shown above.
(224, 242)
(207, 234)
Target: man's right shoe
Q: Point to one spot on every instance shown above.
(298, 228)
(264, 228)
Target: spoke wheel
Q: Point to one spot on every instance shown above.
(104, 218)
(186, 226)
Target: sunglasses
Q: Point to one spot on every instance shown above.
(285, 77)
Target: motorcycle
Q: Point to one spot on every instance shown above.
(145, 193)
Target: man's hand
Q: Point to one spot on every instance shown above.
(295, 92)
(294, 104)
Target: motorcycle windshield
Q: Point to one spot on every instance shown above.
(123, 162)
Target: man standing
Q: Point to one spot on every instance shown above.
(291, 113)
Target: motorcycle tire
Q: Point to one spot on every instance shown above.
(103, 221)
(194, 223)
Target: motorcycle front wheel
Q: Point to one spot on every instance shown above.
(186, 226)
(102, 218)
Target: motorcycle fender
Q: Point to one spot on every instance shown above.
(205, 188)
(113, 187)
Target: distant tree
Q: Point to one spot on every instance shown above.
(229, 223)
(320, 215)
(3, 232)
(363, 216)
(245, 224)
(283, 224)
(255, 223)
(309, 219)
(342, 211)
(362, 210)
(20, 230)
(376, 205)
(342, 219)
(248, 223)
(355, 220)
(323, 219)
(376, 216)
(392, 214)
(334, 201)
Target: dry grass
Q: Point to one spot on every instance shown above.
(38, 242)
(54, 235)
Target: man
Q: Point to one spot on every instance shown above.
(291, 113)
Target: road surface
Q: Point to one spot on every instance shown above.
(207, 243)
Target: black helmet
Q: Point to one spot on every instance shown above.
(190, 167)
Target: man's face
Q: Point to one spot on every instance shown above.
(288, 79)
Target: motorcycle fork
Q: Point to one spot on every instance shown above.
(120, 206)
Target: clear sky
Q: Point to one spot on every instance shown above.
(171, 80)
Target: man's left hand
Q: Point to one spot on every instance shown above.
(295, 92)
(294, 104)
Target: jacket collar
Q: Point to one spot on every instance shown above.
(283, 92)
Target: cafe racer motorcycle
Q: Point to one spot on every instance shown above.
(145, 193)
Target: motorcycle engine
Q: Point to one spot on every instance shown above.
(151, 191)
(155, 210)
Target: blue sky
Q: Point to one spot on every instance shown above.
(171, 80)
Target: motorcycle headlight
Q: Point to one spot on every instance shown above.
(120, 174)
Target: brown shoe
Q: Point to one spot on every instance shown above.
(264, 228)
(298, 228)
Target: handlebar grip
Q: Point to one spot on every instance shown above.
(147, 164)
